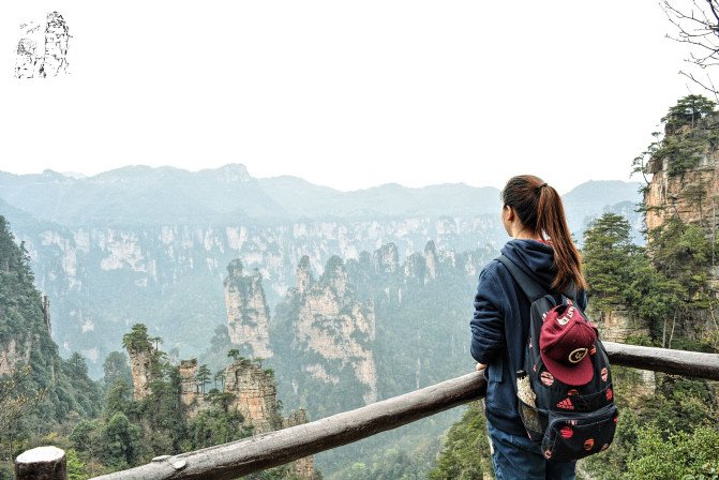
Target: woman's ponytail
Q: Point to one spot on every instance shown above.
(552, 221)
(540, 209)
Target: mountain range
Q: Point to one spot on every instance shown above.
(151, 245)
(141, 195)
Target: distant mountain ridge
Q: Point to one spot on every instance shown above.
(152, 244)
(141, 195)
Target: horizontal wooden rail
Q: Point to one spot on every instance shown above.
(257, 453)
(676, 362)
(233, 460)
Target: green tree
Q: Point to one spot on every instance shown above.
(77, 365)
(120, 442)
(214, 427)
(116, 367)
(137, 340)
(203, 376)
(119, 398)
(683, 253)
(466, 454)
(681, 455)
(219, 377)
(690, 135)
(84, 436)
(607, 247)
(688, 111)
(75, 466)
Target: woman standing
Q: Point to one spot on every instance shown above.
(541, 245)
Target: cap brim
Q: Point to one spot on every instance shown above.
(575, 375)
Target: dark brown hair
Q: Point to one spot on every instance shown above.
(539, 208)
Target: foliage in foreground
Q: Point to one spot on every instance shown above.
(466, 453)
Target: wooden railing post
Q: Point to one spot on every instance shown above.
(42, 463)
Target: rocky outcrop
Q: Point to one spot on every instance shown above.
(431, 260)
(141, 356)
(255, 394)
(685, 186)
(190, 390)
(617, 325)
(415, 268)
(386, 258)
(11, 355)
(248, 315)
(304, 275)
(335, 327)
(176, 267)
(691, 196)
(140, 365)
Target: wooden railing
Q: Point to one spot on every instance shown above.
(260, 452)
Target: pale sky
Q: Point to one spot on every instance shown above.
(348, 94)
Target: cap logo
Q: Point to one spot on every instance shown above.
(564, 319)
(577, 355)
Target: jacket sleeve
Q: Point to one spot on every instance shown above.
(487, 325)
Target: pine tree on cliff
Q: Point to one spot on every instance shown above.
(137, 340)
(690, 134)
(688, 111)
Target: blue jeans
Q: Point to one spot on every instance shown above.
(519, 458)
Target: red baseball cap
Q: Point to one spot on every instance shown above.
(565, 343)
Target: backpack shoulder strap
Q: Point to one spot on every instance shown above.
(531, 288)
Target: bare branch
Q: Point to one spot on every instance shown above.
(696, 24)
(713, 8)
(710, 87)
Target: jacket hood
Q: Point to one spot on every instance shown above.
(533, 257)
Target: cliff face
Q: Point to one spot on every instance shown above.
(372, 327)
(140, 240)
(12, 354)
(685, 186)
(692, 196)
(617, 325)
(98, 277)
(332, 326)
(190, 391)
(25, 342)
(255, 395)
(140, 369)
(248, 316)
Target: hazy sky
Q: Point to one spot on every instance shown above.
(348, 94)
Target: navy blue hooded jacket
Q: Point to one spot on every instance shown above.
(501, 323)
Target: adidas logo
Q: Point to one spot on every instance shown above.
(566, 404)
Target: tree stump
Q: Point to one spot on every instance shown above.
(42, 463)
